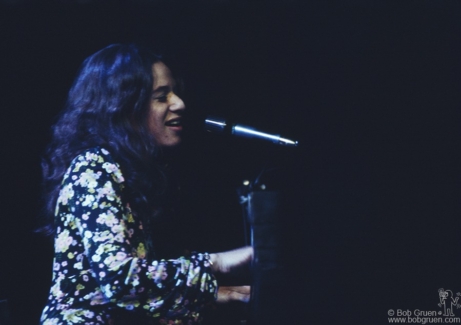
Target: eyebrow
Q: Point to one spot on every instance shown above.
(161, 89)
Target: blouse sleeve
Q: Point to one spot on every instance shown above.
(113, 243)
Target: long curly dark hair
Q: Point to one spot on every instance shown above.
(107, 106)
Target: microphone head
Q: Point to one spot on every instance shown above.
(215, 124)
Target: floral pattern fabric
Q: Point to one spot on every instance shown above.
(100, 267)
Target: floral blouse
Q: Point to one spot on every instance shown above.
(100, 269)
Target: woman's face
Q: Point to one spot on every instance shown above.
(166, 108)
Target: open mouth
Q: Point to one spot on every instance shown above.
(174, 122)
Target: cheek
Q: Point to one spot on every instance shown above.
(156, 129)
(156, 116)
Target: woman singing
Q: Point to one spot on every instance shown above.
(105, 185)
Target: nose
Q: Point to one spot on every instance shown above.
(177, 103)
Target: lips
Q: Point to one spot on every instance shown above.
(174, 122)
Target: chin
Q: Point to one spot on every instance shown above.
(170, 144)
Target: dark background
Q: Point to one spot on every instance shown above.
(371, 89)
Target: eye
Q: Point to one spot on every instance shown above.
(161, 98)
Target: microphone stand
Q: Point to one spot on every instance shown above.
(261, 209)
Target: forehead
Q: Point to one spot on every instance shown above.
(162, 75)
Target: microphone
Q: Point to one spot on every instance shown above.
(219, 125)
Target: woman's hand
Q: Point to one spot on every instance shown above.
(226, 262)
(238, 293)
(230, 262)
